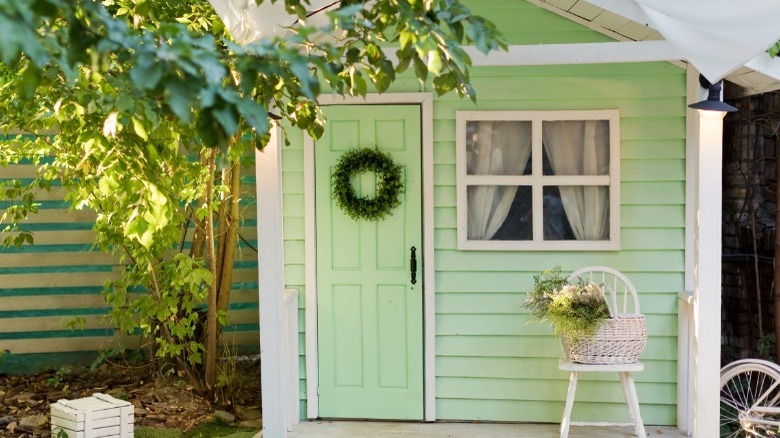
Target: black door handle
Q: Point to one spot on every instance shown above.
(413, 263)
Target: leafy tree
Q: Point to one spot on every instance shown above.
(143, 110)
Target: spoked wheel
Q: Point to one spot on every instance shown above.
(750, 401)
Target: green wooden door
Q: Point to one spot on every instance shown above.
(369, 314)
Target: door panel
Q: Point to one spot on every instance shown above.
(369, 314)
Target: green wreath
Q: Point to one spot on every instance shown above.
(390, 185)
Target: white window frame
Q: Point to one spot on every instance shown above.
(537, 181)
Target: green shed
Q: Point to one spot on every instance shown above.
(418, 316)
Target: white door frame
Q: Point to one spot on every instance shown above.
(425, 100)
(270, 262)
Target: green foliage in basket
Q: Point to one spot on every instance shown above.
(573, 309)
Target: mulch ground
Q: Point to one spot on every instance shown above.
(159, 401)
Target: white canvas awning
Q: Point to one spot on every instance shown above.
(716, 36)
(626, 20)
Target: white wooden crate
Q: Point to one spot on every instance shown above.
(99, 416)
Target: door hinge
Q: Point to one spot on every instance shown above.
(318, 390)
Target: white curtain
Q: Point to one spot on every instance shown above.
(497, 148)
(581, 148)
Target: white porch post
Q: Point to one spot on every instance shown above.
(270, 248)
(707, 273)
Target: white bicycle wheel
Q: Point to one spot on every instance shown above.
(750, 400)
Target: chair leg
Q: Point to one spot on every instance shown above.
(639, 427)
(566, 421)
(627, 396)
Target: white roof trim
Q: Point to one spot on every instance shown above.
(628, 9)
(591, 24)
(765, 64)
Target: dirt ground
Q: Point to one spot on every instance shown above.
(159, 401)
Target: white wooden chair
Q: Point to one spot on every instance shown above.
(623, 294)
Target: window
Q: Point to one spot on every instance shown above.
(538, 180)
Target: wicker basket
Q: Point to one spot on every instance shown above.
(617, 340)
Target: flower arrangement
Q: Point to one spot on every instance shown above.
(573, 309)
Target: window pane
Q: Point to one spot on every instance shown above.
(576, 213)
(498, 148)
(576, 147)
(499, 213)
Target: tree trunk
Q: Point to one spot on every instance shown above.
(222, 226)
(220, 247)
(199, 235)
(211, 316)
(230, 237)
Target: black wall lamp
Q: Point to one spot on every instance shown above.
(713, 102)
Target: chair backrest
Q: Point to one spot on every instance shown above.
(619, 291)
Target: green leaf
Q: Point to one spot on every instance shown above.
(139, 129)
(207, 97)
(445, 83)
(227, 117)
(31, 78)
(434, 62)
(373, 52)
(222, 317)
(213, 70)
(360, 86)
(146, 72)
(309, 83)
(124, 103)
(405, 38)
(79, 42)
(209, 130)
(108, 185)
(179, 100)
(403, 62)
(138, 230)
(353, 55)
(420, 69)
(255, 114)
(774, 50)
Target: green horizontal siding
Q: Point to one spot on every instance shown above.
(54, 269)
(58, 278)
(526, 346)
(505, 281)
(547, 389)
(523, 23)
(294, 241)
(537, 368)
(548, 411)
(511, 303)
(491, 363)
(459, 261)
(502, 324)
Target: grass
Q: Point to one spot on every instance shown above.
(152, 432)
(205, 430)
